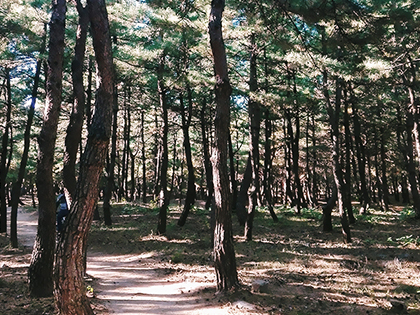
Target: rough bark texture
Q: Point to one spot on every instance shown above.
(223, 249)
(70, 292)
(74, 129)
(41, 266)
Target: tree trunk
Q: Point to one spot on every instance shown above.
(110, 178)
(241, 201)
(163, 178)
(333, 114)
(191, 193)
(361, 158)
(254, 137)
(385, 194)
(347, 197)
(223, 249)
(74, 129)
(70, 292)
(41, 267)
(207, 162)
(143, 159)
(268, 164)
(4, 155)
(16, 189)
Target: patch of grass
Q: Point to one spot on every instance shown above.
(409, 289)
(405, 240)
(407, 213)
(311, 213)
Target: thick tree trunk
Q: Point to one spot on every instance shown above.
(191, 193)
(223, 249)
(41, 267)
(16, 189)
(70, 292)
(74, 129)
(163, 178)
(4, 155)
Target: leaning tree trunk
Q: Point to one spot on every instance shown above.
(70, 292)
(223, 249)
(41, 267)
(27, 140)
(4, 155)
(74, 129)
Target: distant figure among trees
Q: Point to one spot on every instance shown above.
(62, 210)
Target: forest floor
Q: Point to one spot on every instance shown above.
(291, 267)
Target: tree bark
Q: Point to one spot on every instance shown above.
(70, 292)
(4, 155)
(163, 177)
(74, 129)
(110, 178)
(206, 153)
(41, 267)
(333, 113)
(16, 189)
(191, 193)
(254, 135)
(223, 248)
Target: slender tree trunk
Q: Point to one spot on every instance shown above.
(110, 178)
(74, 129)
(41, 267)
(163, 178)
(143, 159)
(4, 155)
(254, 135)
(16, 189)
(268, 164)
(241, 210)
(333, 114)
(385, 193)
(206, 153)
(233, 182)
(70, 292)
(223, 249)
(347, 197)
(191, 193)
(361, 158)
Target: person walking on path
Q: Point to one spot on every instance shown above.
(62, 210)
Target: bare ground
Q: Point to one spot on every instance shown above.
(300, 269)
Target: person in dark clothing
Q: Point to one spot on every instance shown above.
(62, 210)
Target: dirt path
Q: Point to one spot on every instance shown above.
(132, 284)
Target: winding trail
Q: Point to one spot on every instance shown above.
(133, 284)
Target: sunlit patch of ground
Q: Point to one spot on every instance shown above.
(306, 271)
